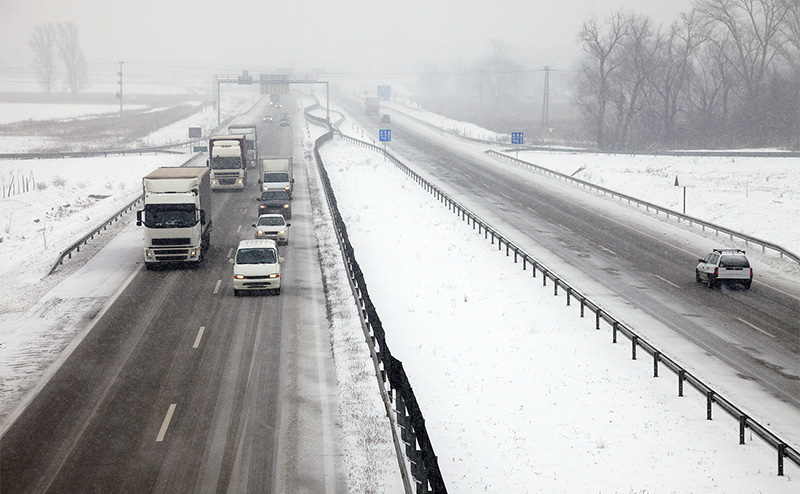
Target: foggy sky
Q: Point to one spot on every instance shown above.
(351, 36)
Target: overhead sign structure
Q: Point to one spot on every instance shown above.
(195, 132)
(516, 138)
(385, 135)
(384, 93)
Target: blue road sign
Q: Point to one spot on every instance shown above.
(385, 135)
(384, 92)
(516, 138)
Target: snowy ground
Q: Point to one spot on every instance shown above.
(519, 394)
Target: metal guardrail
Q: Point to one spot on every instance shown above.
(414, 445)
(748, 239)
(76, 247)
(784, 450)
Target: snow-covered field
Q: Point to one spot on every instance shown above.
(519, 394)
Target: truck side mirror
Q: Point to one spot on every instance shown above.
(139, 217)
(208, 162)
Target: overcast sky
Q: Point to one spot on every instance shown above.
(375, 36)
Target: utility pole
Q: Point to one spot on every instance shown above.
(119, 94)
(546, 98)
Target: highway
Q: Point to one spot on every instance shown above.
(182, 387)
(643, 263)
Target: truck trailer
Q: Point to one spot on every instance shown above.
(251, 137)
(176, 215)
(228, 162)
(276, 173)
(372, 105)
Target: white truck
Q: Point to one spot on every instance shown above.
(228, 162)
(251, 137)
(176, 215)
(276, 173)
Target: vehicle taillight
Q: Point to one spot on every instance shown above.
(716, 271)
(751, 273)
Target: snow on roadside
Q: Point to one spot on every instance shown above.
(519, 394)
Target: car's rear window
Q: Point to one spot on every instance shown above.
(734, 262)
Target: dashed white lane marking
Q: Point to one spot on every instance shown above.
(216, 288)
(199, 337)
(164, 425)
(755, 327)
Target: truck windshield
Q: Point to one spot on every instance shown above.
(256, 256)
(276, 177)
(169, 216)
(226, 162)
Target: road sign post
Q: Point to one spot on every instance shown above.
(517, 138)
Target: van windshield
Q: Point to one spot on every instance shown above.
(258, 255)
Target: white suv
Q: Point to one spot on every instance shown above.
(724, 266)
(256, 266)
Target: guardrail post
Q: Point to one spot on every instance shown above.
(709, 402)
(742, 427)
(613, 331)
(634, 340)
(597, 318)
(781, 454)
(681, 377)
(555, 288)
(569, 291)
(656, 356)
(582, 306)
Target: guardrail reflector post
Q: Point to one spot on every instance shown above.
(634, 340)
(597, 319)
(681, 377)
(781, 454)
(613, 331)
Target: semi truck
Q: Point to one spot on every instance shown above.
(276, 173)
(228, 162)
(176, 215)
(372, 105)
(251, 137)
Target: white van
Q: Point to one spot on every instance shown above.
(256, 267)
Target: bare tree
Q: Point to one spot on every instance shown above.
(672, 72)
(753, 28)
(69, 49)
(42, 41)
(601, 45)
(500, 76)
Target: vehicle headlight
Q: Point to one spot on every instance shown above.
(274, 275)
(282, 232)
(285, 206)
(238, 277)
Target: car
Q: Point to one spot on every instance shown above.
(284, 123)
(284, 116)
(275, 201)
(256, 267)
(729, 266)
(386, 118)
(267, 118)
(273, 226)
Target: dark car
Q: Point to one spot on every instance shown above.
(275, 201)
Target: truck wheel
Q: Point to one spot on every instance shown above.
(236, 292)
(712, 283)
(697, 276)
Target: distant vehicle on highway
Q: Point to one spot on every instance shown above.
(267, 118)
(386, 118)
(274, 227)
(256, 267)
(275, 201)
(729, 266)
